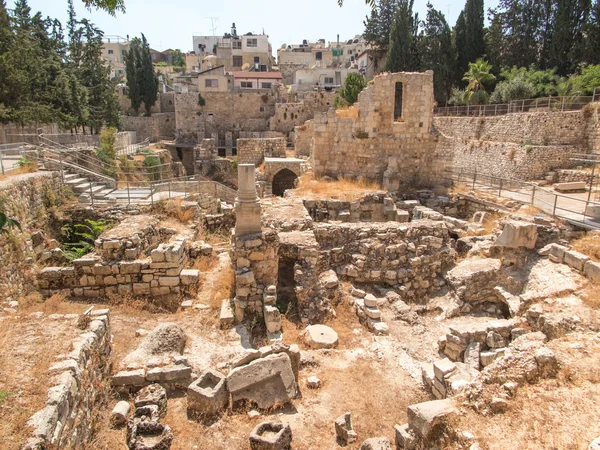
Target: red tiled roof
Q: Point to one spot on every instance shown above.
(273, 75)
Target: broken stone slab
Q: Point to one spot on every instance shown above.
(517, 234)
(208, 395)
(313, 382)
(344, 430)
(119, 414)
(150, 435)
(370, 301)
(442, 368)
(329, 279)
(153, 394)
(489, 356)
(267, 381)
(320, 336)
(592, 271)
(226, 317)
(423, 417)
(129, 378)
(472, 354)
(556, 250)
(271, 436)
(169, 373)
(405, 437)
(272, 318)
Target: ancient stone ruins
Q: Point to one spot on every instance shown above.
(377, 285)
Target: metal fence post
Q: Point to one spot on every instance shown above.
(554, 208)
(474, 178)
(128, 194)
(533, 195)
(151, 193)
(169, 189)
(185, 187)
(1, 163)
(91, 193)
(62, 175)
(500, 188)
(562, 108)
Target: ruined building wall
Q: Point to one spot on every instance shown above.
(254, 151)
(592, 116)
(156, 127)
(374, 145)
(289, 115)
(303, 142)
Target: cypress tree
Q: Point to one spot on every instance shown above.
(401, 55)
(567, 34)
(132, 72)
(593, 35)
(474, 32)
(148, 79)
(460, 42)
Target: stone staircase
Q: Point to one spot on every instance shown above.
(87, 189)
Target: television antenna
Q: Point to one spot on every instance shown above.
(212, 24)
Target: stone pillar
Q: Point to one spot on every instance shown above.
(247, 204)
(229, 143)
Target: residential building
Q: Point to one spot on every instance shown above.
(235, 52)
(328, 78)
(215, 80)
(113, 52)
(193, 63)
(256, 80)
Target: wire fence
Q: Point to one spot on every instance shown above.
(566, 103)
(578, 211)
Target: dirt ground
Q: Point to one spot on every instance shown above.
(28, 347)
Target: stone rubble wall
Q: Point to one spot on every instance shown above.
(303, 136)
(66, 422)
(377, 207)
(568, 176)
(409, 256)
(593, 127)
(163, 273)
(157, 126)
(28, 201)
(289, 115)
(536, 128)
(512, 161)
(254, 151)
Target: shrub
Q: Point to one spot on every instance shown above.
(201, 100)
(107, 151)
(152, 165)
(353, 85)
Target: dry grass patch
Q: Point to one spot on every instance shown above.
(591, 296)
(175, 208)
(18, 171)
(530, 209)
(342, 189)
(589, 245)
(347, 112)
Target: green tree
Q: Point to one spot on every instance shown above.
(178, 60)
(353, 85)
(148, 79)
(592, 35)
(110, 6)
(460, 43)
(586, 81)
(107, 151)
(377, 28)
(132, 71)
(477, 77)
(474, 34)
(401, 55)
(566, 49)
(438, 53)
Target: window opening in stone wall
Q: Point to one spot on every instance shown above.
(319, 56)
(283, 180)
(286, 286)
(252, 42)
(246, 84)
(179, 153)
(398, 102)
(237, 61)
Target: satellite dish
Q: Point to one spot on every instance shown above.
(246, 66)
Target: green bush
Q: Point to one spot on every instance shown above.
(353, 85)
(152, 165)
(80, 237)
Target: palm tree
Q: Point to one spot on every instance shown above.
(478, 75)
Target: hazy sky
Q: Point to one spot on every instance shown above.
(171, 24)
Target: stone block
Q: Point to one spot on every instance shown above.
(119, 414)
(517, 234)
(405, 437)
(472, 354)
(267, 381)
(226, 317)
(575, 260)
(169, 373)
(423, 417)
(189, 276)
(168, 281)
(570, 186)
(443, 367)
(129, 378)
(208, 395)
(127, 268)
(344, 430)
(320, 336)
(141, 288)
(271, 436)
(592, 271)
(272, 318)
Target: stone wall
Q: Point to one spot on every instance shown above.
(254, 151)
(303, 138)
(411, 257)
(10, 132)
(502, 159)
(30, 201)
(536, 128)
(376, 207)
(128, 260)
(592, 114)
(289, 115)
(376, 146)
(66, 421)
(157, 126)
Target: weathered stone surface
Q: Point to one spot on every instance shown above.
(443, 367)
(169, 374)
(164, 338)
(595, 444)
(149, 435)
(189, 276)
(423, 417)
(592, 271)
(344, 430)
(376, 443)
(313, 382)
(226, 317)
(119, 414)
(271, 436)
(517, 234)
(405, 437)
(320, 336)
(208, 395)
(329, 279)
(129, 377)
(153, 394)
(576, 260)
(267, 381)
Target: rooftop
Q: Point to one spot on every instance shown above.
(273, 75)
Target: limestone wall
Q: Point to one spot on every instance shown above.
(289, 115)
(536, 128)
(375, 145)
(303, 142)
(157, 126)
(29, 201)
(592, 114)
(253, 151)
(10, 132)
(507, 160)
(410, 256)
(66, 421)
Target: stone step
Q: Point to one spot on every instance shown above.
(89, 188)
(102, 194)
(76, 180)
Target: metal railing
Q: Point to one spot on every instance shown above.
(568, 103)
(580, 212)
(133, 148)
(10, 155)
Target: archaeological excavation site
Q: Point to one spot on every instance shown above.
(256, 271)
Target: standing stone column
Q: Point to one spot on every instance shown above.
(247, 204)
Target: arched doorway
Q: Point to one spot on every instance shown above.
(283, 180)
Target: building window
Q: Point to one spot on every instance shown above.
(398, 102)
(328, 80)
(349, 52)
(210, 82)
(266, 85)
(236, 45)
(110, 52)
(256, 59)
(246, 84)
(319, 56)
(253, 42)
(237, 61)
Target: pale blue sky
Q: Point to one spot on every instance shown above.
(171, 24)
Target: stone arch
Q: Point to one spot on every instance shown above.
(283, 180)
